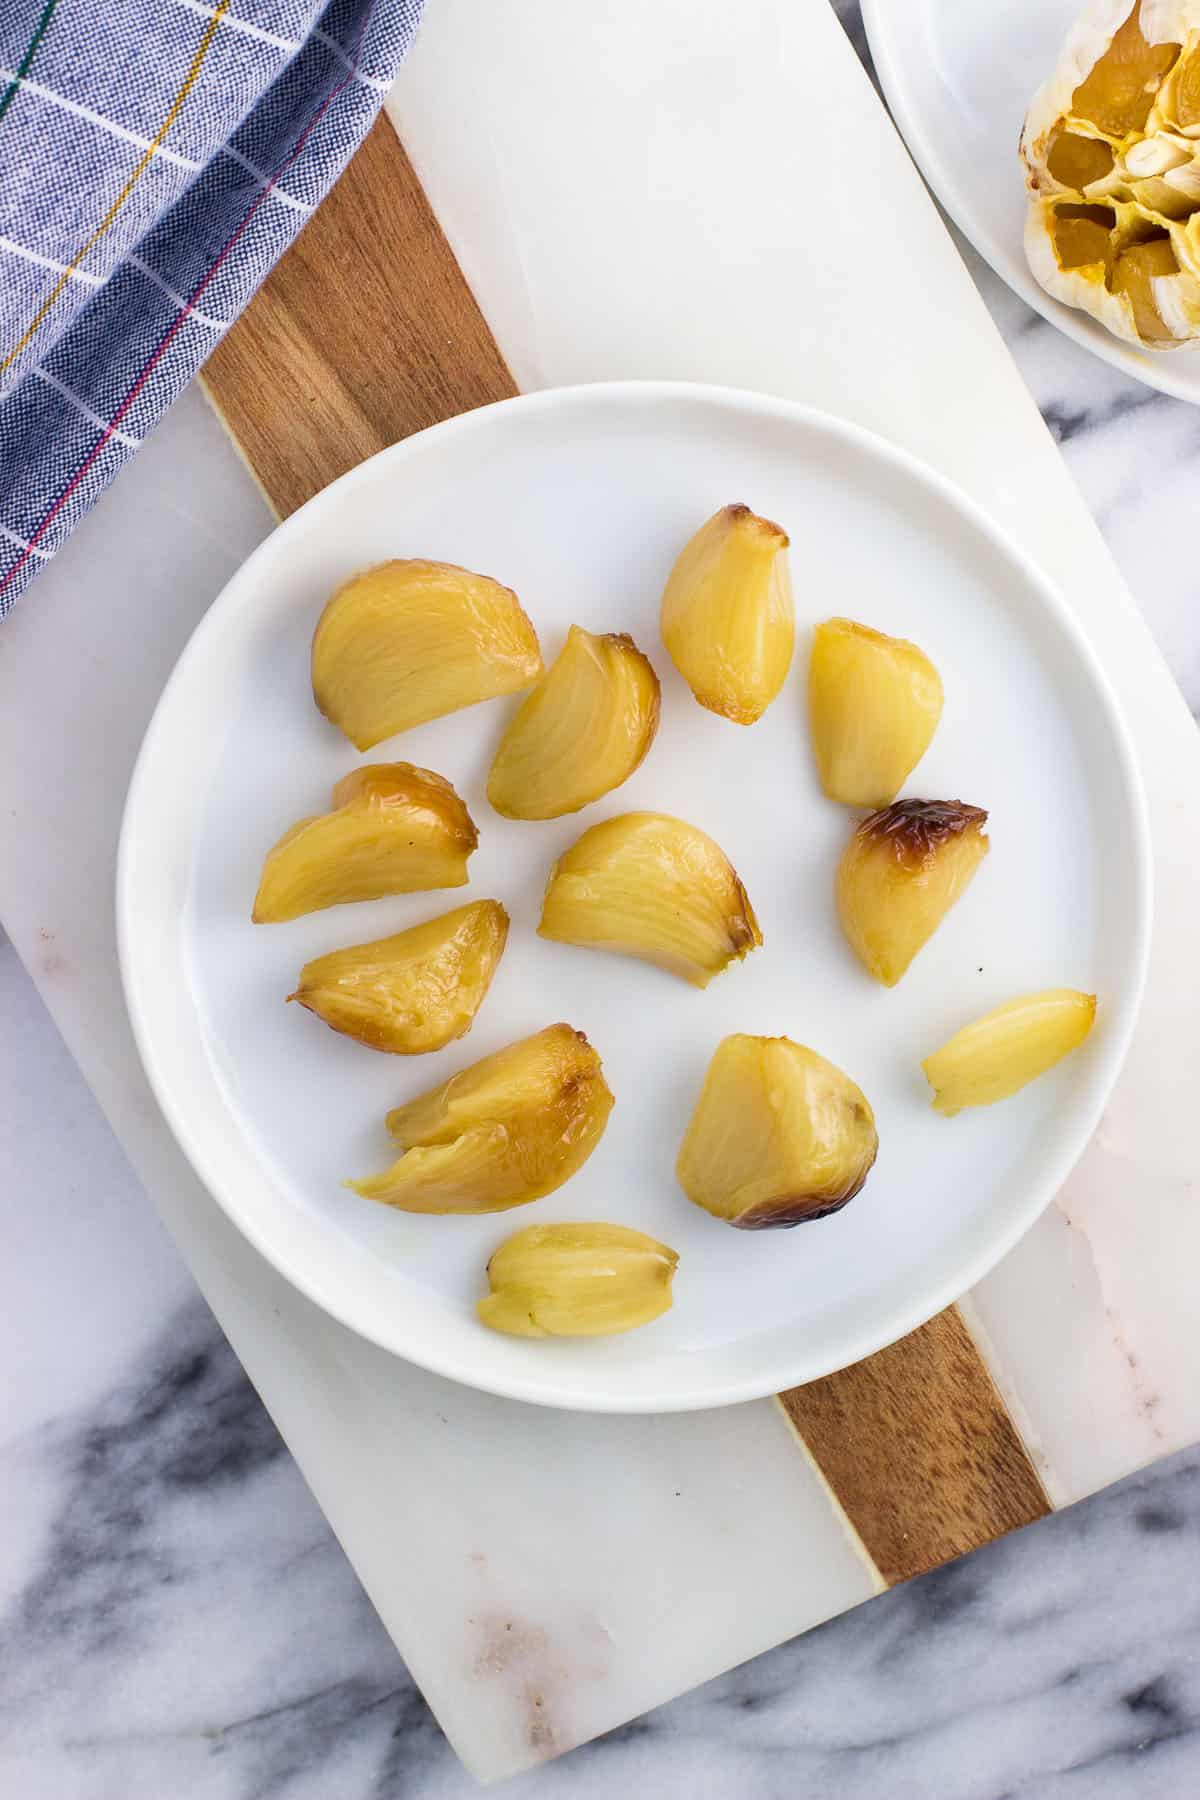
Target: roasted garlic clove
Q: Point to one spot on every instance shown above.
(900, 874)
(394, 829)
(1178, 100)
(505, 1131)
(779, 1135)
(1117, 93)
(1135, 276)
(727, 618)
(577, 1281)
(1078, 162)
(654, 887)
(1000, 1053)
(874, 703)
(406, 642)
(582, 732)
(412, 992)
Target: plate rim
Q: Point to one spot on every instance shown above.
(774, 1377)
(1080, 327)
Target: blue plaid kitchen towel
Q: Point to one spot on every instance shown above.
(156, 158)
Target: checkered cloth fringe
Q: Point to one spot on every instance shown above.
(156, 158)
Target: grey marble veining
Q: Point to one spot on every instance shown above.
(185, 1625)
(1135, 454)
(177, 1621)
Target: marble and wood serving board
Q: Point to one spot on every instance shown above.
(364, 334)
(545, 1575)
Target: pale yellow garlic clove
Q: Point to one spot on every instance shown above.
(1134, 276)
(1002, 1052)
(587, 1280)
(727, 617)
(1153, 156)
(779, 1136)
(393, 829)
(582, 731)
(654, 887)
(500, 1133)
(413, 992)
(900, 874)
(874, 703)
(409, 641)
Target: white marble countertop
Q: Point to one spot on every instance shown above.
(176, 1618)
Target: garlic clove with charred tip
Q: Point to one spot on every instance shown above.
(1007, 1048)
(414, 992)
(409, 641)
(583, 730)
(727, 616)
(901, 872)
(588, 1280)
(393, 829)
(874, 703)
(503, 1132)
(654, 887)
(779, 1136)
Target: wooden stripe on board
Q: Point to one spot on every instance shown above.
(363, 333)
(366, 332)
(917, 1446)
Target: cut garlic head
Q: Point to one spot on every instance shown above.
(1111, 149)
(409, 641)
(503, 1132)
(900, 874)
(727, 618)
(413, 992)
(874, 703)
(393, 829)
(577, 1281)
(1002, 1052)
(654, 887)
(779, 1136)
(582, 732)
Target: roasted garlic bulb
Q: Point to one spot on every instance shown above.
(654, 887)
(582, 732)
(727, 618)
(1002, 1052)
(393, 829)
(874, 703)
(577, 1281)
(1111, 148)
(498, 1134)
(412, 992)
(409, 641)
(778, 1136)
(900, 874)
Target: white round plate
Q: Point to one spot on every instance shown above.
(958, 76)
(580, 500)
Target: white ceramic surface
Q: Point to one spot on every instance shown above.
(958, 76)
(580, 500)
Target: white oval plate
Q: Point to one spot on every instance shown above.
(580, 500)
(958, 76)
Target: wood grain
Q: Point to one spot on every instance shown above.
(366, 332)
(917, 1446)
